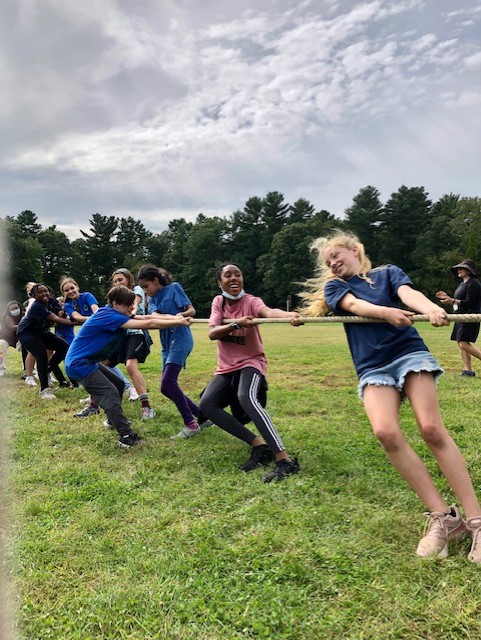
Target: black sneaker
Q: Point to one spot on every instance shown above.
(64, 384)
(282, 469)
(87, 411)
(130, 440)
(260, 456)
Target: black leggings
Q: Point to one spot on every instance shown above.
(38, 345)
(249, 386)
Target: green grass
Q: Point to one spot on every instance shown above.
(172, 541)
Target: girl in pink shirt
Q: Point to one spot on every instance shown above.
(241, 370)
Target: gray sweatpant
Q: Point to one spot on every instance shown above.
(106, 390)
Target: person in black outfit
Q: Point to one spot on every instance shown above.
(466, 299)
(35, 336)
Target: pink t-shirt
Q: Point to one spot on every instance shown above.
(242, 348)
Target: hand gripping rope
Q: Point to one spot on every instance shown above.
(452, 317)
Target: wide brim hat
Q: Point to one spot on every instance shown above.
(467, 264)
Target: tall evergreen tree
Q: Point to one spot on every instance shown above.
(23, 262)
(246, 240)
(363, 218)
(437, 248)
(301, 211)
(100, 252)
(205, 250)
(57, 258)
(178, 233)
(406, 215)
(131, 242)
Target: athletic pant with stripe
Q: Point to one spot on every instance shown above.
(250, 385)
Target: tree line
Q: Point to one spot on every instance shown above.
(269, 239)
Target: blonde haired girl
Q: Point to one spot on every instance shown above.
(393, 362)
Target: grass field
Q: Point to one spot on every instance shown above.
(172, 541)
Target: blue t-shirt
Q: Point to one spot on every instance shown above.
(177, 342)
(98, 338)
(82, 305)
(65, 331)
(375, 344)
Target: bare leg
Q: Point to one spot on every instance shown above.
(468, 350)
(420, 388)
(138, 381)
(465, 357)
(29, 365)
(382, 408)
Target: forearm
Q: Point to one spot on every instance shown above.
(417, 301)
(77, 318)
(363, 308)
(189, 312)
(221, 331)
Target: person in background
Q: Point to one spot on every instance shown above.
(466, 299)
(393, 363)
(241, 368)
(168, 297)
(9, 320)
(35, 335)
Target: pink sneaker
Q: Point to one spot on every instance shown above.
(441, 527)
(474, 528)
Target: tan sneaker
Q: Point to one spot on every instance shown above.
(441, 527)
(474, 528)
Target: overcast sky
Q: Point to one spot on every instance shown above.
(163, 109)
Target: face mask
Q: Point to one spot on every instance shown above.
(15, 312)
(229, 296)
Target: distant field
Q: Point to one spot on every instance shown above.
(173, 542)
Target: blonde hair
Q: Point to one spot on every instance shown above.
(28, 287)
(66, 279)
(314, 301)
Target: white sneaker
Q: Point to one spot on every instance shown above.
(85, 400)
(47, 394)
(185, 433)
(147, 413)
(132, 394)
(30, 381)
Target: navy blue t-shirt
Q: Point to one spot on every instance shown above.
(375, 344)
(35, 322)
(99, 337)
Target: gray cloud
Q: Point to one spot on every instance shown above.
(171, 109)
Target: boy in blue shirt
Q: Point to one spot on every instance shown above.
(99, 337)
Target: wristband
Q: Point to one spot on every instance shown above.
(234, 326)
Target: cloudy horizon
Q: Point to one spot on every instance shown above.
(165, 110)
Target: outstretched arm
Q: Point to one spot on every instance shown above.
(294, 317)
(159, 322)
(52, 317)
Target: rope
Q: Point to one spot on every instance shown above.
(452, 317)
